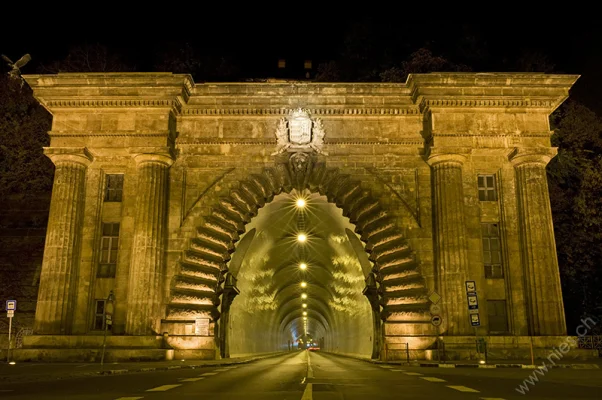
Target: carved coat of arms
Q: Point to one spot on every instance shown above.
(299, 133)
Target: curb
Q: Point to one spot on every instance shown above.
(487, 366)
(189, 366)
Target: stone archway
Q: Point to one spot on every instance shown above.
(395, 287)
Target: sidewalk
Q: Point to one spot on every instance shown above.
(35, 372)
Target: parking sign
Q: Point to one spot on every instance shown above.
(11, 305)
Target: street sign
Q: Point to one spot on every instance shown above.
(11, 305)
(436, 320)
(473, 302)
(201, 327)
(10, 313)
(471, 287)
(435, 309)
(434, 297)
(475, 320)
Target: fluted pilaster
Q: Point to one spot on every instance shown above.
(61, 252)
(147, 262)
(538, 246)
(451, 245)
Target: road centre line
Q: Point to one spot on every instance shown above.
(463, 389)
(431, 379)
(129, 398)
(163, 388)
(307, 393)
(209, 374)
(413, 373)
(191, 379)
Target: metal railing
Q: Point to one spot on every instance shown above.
(591, 342)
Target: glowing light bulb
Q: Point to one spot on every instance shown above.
(300, 203)
(304, 318)
(303, 284)
(304, 305)
(304, 312)
(303, 266)
(304, 296)
(302, 237)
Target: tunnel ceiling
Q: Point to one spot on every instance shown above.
(269, 253)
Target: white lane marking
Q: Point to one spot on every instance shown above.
(307, 394)
(413, 373)
(386, 366)
(462, 388)
(129, 398)
(397, 370)
(191, 379)
(209, 374)
(232, 367)
(162, 388)
(431, 379)
(221, 369)
(491, 398)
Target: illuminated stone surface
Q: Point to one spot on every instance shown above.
(209, 221)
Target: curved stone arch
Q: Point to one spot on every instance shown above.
(196, 288)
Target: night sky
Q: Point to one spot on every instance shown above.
(257, 39)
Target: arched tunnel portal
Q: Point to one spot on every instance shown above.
(243, 270)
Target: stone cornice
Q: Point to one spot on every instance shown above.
(273, 142)
(489, 90)
(541, 156)
(111, 90)
(76, 155)
(312, 111)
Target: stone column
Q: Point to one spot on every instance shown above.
(147, 261)
(56, 295)
(538, 247)
(451, 244)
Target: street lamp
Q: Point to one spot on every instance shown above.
(300, 203)
(303, 266)
(302, 237)
(304, 296)
(108, 320)
(303, 284)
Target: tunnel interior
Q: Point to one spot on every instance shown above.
(296, 293)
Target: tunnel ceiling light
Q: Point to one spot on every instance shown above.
(304, 305)
(303, 266)
(304, 296)
(302, 237)
(300, 203)
(304, 284)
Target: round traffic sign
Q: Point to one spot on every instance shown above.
(435, 309)
(436, 320)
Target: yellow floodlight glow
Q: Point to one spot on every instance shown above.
(303, 266)
(300, 203)
(304, 312)
(304, 296)
(302, 237)
(304, 318)
(304, 305)
(303, 284)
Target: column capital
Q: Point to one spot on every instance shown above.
(77, 155)
(533, 155)
(437, 155)
(163, 155)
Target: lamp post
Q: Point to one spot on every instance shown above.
(108, 321)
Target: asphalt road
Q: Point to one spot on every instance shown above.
(306, 376)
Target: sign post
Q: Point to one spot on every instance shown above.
(11, 307)
(473, 312)
(436, 319)
(108, 321)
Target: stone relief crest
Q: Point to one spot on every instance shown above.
(299, 133)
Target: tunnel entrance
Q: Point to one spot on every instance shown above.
(300, 271)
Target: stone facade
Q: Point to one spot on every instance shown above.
(401, 160)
